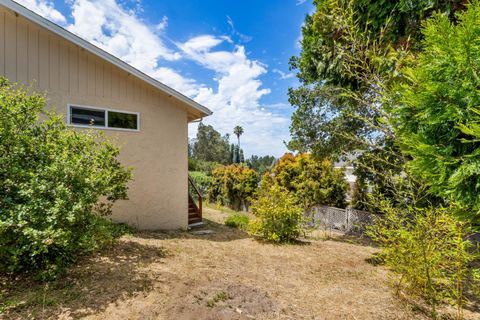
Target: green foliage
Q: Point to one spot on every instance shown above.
(55, 184)
(360, 196)
(233, 186)
(236, 154)
(238, 131)
(373, 80)
(210, 146)
(203, 166)
(312, 182)
(238, 221)
(428, 249)
(352, 50)
(325, 41)
(220, 296)
(319, 126)
(338, 67)
(201, 180)
(353, 53)
(376, 171)
(278, 216)
(436, 111)
(260, 164)
(209, 149)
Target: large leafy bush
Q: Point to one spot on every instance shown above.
(201, 180)
(438, 114)
(233, 186)
(55, 183)
(312, 182)
(278, 216)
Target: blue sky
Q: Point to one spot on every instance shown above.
(231, 56)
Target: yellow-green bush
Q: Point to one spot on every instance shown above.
(233, 186)
(312, 182)
(278, 216)
(429, 250)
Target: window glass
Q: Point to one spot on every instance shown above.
(84, 116)
(122, 120)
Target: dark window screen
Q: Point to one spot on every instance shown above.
(87, 117)
(122, 120)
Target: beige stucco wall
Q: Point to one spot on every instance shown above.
(69, 74)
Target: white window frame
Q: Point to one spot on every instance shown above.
(106, 127)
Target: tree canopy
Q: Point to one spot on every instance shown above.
(260, 164)
(209, 145)
(350, 51)
(437, 115)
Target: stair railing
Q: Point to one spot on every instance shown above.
(197, 193)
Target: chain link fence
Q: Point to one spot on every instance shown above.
(343, 220)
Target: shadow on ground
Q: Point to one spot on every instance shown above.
(87, 288)
(214, 232)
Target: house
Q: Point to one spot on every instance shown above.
(349, 177)
(92, 88)
(347, 165)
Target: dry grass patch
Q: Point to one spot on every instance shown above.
(223, 275)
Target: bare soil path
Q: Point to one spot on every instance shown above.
(222, 275)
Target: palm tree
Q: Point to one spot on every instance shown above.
(238, 131)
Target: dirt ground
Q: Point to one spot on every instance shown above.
(221, 275)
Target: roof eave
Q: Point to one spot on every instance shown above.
(52, 27)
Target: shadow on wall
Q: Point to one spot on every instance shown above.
(87, 288)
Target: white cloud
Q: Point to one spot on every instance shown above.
(173, 79)
(235, 97)
(300, 2)
(45, 8)
(283, 75)
(120, 32)
(162, 25)
(243, 37)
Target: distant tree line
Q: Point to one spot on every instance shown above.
(209, 149)
(210, 146)
(220, 170)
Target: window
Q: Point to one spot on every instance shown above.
(122, 120)
(86, 117)
(103, 118)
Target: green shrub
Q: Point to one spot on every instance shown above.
(238, 221)
(429, 250)
(56, 184)
(206, 167)
(278, 217)
(233, 186)
(312, 182)
(201, 180)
